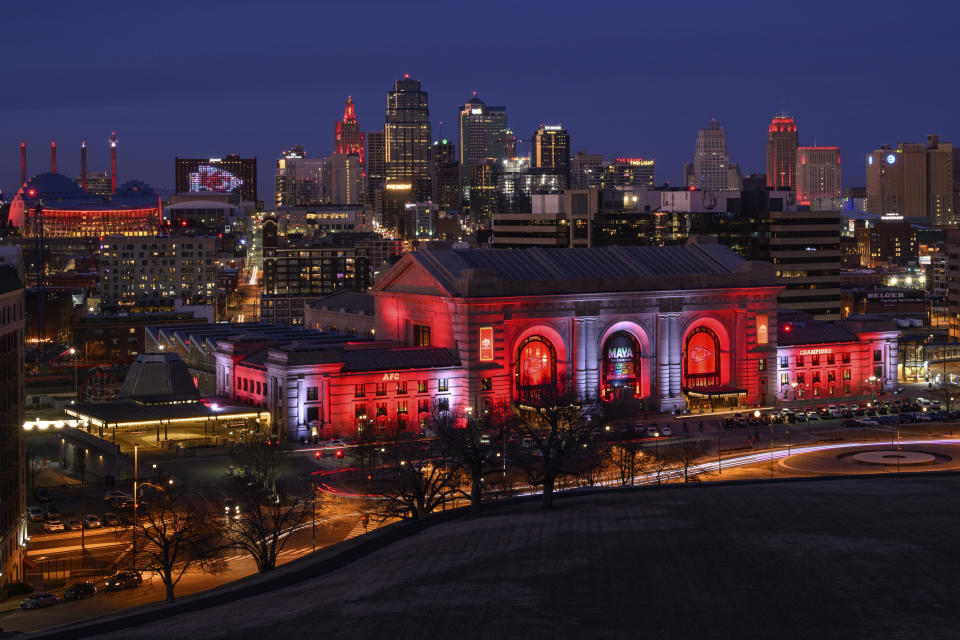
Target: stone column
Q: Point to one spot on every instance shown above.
(580, 347)
(663, 360)
(676, 355)
(740, 376)
(893, 359)
(592, 358)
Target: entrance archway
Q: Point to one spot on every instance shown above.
(536, 368)
(622, 367)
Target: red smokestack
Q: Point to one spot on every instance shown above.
(53, 157)
(23, 162)
(83, 164)
(113, 162)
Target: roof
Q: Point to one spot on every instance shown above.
(796, 328)
(400, 358)
(347, 300)
(124, 411)
(158, 377)
(702, 263)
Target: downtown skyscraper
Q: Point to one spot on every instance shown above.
(483, 136)
(348, 138)
(407, 139)
(550, 157)
(782, 143)
(712, 170)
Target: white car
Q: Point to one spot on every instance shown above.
(335, 444)
(92, 521)
(53, 525)
(666, 430)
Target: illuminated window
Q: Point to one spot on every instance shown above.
(381, 388)
(402, 387)
(701, 359)
(846, 374)
(486, 384)
(421, 335)
(423, 386)
(359, 391)
(761, 364)
(784, 362)
(402, 406)
(360, 411)
(443, 384)
(784, 379)
(762, 328)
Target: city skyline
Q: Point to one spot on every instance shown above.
(165, 113)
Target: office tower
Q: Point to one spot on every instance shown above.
(346, 179)
(582, 167)
(301, 181)
(447, 186)
(914, 180)
(348, 138)
(782, 145)
(13, 480)
(550, 155)
(170, 267)
(818, 176)
(217, 175)
(407, 138)
(376, 169)
(483, 136)
(623, 172)
(711, 166)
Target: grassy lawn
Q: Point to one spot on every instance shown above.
(871, 558)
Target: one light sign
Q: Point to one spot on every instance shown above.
(762, 328)
(486, 344)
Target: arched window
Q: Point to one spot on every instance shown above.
(536, 367)
(701, 358)
(621, 363)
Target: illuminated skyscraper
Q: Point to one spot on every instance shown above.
(913, 180)
(782, 145)
(551, 153)
(407, 138)
(300, 181)
(711, 166)
(217, 175)
(348, 138)
(483, 136)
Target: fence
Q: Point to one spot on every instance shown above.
(55, 570)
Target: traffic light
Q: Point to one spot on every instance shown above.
(316, 455)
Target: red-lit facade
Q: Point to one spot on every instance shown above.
(664, 328)
(782, 143)
(348, 138)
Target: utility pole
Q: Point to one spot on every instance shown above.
(83, 522)
(135, 477)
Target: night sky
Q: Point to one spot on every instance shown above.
(211, 77)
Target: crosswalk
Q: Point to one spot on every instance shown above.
(358, 530)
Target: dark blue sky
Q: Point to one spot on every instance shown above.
(211, 77)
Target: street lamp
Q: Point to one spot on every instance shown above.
(73, 352)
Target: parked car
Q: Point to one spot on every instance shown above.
(42, 494)
(80, 590)
(335, 443)
(34, 513)
(652, 432)
(639, 429)
(110, 519)
(812, 415)
(92, 521)
(51, 511)
(53, 525)
(667, 430)
(230, 508)
(39, 600)
(124, 580)
(527, 443)
(800, 417)
(74, 524)
(123, 504)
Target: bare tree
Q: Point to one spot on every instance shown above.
(470, 438)
(557, 431)
(173, 536)
(628, 460)
(416, 489)
(266, 509)
(366, 448)
(659, 466)
(685, 454)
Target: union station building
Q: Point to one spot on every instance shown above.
(668, 329)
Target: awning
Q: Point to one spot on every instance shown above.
(715, 391)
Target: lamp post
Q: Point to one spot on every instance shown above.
(76, 394)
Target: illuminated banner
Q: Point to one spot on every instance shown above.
(815, 352)
(621, 357)
(536, 364)
(702, 353)
(762, 328)
(486, 344)
(209, 178)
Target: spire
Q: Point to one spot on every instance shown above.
(349, 115)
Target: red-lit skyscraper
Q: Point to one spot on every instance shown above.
(348, 138)
(782, 145)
